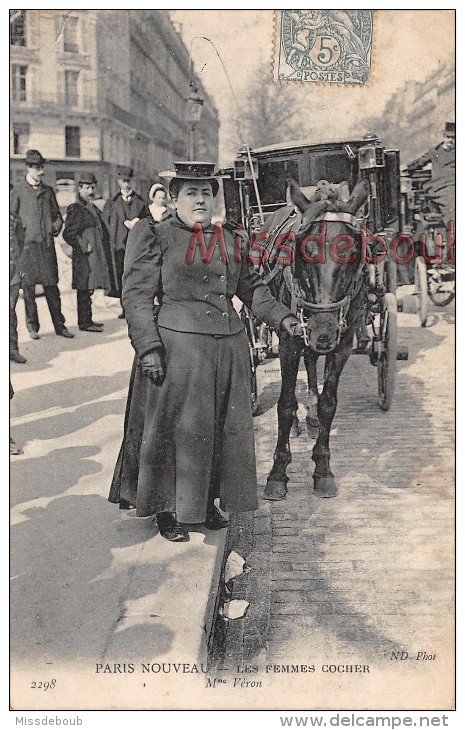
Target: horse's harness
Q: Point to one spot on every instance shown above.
(303, 309)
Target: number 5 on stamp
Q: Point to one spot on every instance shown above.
(323, 46)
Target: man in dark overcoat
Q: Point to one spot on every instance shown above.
(441, 188)
(121, 213)
(37, 220)
(15, 284)
(92, 263)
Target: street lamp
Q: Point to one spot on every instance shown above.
(194, 114)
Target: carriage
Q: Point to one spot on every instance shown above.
(259, 189)
(434, 263)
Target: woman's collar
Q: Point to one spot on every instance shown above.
(180, 224)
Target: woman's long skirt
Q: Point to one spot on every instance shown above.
(192, 437)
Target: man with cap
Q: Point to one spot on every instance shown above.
(189, 430)
(121, 213)
(441, 188)
(92, 262)
(36, 221)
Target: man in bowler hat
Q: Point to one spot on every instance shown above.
(36, 222)
(121, 213)
(92, 262)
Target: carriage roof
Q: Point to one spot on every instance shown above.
(299, 145)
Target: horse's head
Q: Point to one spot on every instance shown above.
(327, 263)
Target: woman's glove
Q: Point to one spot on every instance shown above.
(152, 367)
(292, 326)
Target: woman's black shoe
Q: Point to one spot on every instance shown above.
(170, 528)
(214, 519)
(124, 504)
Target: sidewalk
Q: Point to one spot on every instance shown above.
(94, 590)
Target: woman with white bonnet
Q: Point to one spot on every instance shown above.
(157, 207)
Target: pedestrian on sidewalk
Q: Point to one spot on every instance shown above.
(15, 283)
(37, 221)
(188, 435)
(120, 214)
(157, 208)
(92, 263)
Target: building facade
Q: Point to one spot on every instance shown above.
(95, 89)
(414, 117)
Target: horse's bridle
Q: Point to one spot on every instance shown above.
(299, 305)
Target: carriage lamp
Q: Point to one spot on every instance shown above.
(370, 157)
(242, 169)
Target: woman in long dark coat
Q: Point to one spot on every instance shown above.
(188, 434)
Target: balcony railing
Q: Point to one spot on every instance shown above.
(58, 102)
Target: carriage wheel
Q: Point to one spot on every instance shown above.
(390, 275)
(387, 355)
(441, 286)
(421, 289)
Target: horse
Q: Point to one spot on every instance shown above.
(325, 286)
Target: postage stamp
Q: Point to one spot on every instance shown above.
(323, 46)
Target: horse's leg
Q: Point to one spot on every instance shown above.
(290, 350)
(310, 360)
(323, 478)
(295, 426)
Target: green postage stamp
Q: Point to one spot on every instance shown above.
(323, 46)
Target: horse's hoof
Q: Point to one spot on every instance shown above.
(325, 487)
(275, 490)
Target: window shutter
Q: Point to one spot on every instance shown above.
(59, 22)
(60, 85)
(32, 28)
(87, 90)
(31, 84)
(84, 41)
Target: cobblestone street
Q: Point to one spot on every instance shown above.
(358, 579)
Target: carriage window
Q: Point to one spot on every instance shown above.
(390, 187)
(272, 180)
(334, 168)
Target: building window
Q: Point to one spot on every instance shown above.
(17, 27)
(73, 141)
(18, 82)
(20, 138)
(70, 27)
(71, 88)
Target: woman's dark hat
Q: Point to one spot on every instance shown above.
(33, 157)
(87, 178)
(192, 171)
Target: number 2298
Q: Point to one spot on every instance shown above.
(44, 685)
